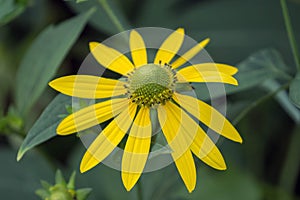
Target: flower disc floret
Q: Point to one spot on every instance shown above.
(151, 84)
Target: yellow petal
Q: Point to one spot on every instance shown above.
(170, 47)
(187, 170)
(137, 149)
(108, 139)
(210, 67)
(208, 116)
(191, 74)
(111, 58)
(138, 49)
(179, 130)
(190, 54)
(85, 86)
(204, 148)
(91, 116)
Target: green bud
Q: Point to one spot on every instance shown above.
(62, 190)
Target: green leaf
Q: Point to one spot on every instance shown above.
(9, 9)
(44, 57)
(295, 90)
(45, 127)
(256, 69)
(100, 19)
(283, 99)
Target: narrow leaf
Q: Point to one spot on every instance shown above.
(101, 20)
(44, 57)
(45, 127)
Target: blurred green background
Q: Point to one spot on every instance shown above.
(249, 34)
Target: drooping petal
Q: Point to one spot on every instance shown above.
(111, 58)
(210, 67)
(191, 74)
(108, 139)
(170, 47)
(138, 49)
(208, 116)
(86, 86)
(179, 130)
(204, 148)
(137, 148)
(186, 167)
(190, 54)
(91, 116)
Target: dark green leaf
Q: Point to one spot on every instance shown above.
(295, 90)
(45, 127)
(9, 9)
(283, 99)
(44, 57)
(100, 19)
(255, 70)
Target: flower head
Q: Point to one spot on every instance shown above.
(149, 85)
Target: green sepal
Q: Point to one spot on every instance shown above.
(59, 178)
(82, 194)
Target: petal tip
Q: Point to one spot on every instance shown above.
(93, 45)
(180, 30)
(126, 182)
(191, 189)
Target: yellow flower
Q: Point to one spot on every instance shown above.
(149, 86)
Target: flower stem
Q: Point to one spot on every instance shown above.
(290, 33)
(258, 102)
(112, 15)
(139, 190)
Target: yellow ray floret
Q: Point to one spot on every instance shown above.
(91, 116)
(210, 67)
(137, 148)
(111, 58)
(208, 116)
(205, 149)
(108, 139)
(170, 47)
(90, 87)
(138, 49)
(179, 131)
(191, 74)
(190, 54)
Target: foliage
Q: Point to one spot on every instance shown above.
(249, 35)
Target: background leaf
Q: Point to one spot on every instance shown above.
(295, 90)
(256, 69)
(45, 127)
(44, 57)
(100, 19)
(9, 9)
(283, 99)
